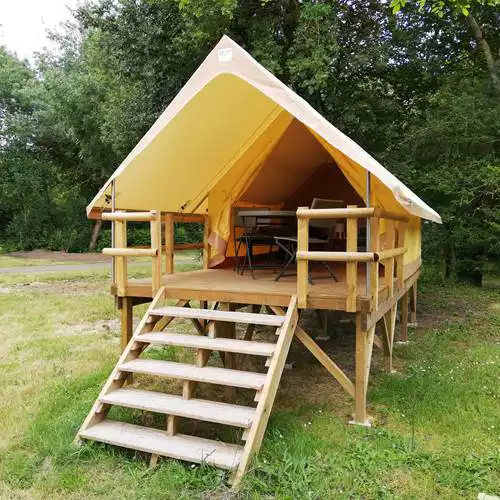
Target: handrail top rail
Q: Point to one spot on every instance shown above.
(319, 256)
(334, 213)
(145, 216)
(325, 256)
(130, 216)
(348, 213)
(130, 252)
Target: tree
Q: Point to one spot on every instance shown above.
(451, 156)
(464, 7)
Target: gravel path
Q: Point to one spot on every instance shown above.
(54, 268)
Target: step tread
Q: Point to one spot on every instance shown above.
(216, 315)
(215, 344)
(209, 374)
(180, 446)
(199, 409)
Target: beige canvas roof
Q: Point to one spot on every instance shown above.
(230, 116)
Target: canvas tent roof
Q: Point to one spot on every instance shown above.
(225, 122)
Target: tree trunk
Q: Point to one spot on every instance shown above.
(95, 235)
(485, 48)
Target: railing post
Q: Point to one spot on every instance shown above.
(169, 243)
(206, 233)
(155, 225)
(389, 263)
(302, 264)
(400, 258)
(352, 267)
(374, 266)
(120, 237)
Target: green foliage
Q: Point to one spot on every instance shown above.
(438, 6)
(451, 156)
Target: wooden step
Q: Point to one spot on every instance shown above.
(180, 446)
(215, 344)
(170, 404)
(211, 375)
(215, 315)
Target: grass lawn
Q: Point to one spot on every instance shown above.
(436, 433)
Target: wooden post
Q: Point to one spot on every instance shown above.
(227, 330)
(413, 317)
(404, 317)
(352, 267)
(121, 262)
(389, 263)
(302, 265)
(374, 266)
(169, 244)
(400, 258)
(156, 244)
(126, 319)
(360, 416)
(206, 248)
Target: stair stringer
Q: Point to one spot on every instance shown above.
(269, 390)
(117, 378)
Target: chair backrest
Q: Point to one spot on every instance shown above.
(324, 203)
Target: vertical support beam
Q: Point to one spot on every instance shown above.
(413, 317)
(389, 263)
(113, 207)
(121, 262)
(302, 265)
(404, 318)
(374, 266)
(352, 267)
(156, 260)
(360, 416)
(188, 389)
(368, 201)
(169, 244)
(227, 330)
(126, 320)
(172, 422)
(400, 258)
(206, 248)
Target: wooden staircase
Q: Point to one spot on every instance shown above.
(169, 443)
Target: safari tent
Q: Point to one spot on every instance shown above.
(237, 141)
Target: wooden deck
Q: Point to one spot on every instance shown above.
(224, 285)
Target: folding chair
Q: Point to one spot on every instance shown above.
(253, 234)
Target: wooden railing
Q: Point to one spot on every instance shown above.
(391, 256)
(121, 252)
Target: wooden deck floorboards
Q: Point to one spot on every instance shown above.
(224, 285)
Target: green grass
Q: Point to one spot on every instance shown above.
(437, 421)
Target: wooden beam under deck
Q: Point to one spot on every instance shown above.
(224, 285)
